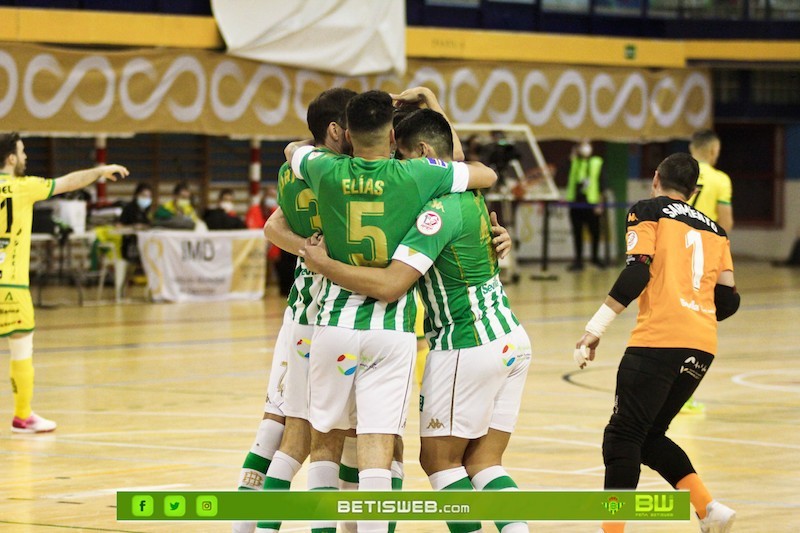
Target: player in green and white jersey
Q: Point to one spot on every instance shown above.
(284, 426)
(362, 345)
(476, 370)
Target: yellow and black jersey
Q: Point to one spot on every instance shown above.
(17, 196)
(713, 188)
(688, 250)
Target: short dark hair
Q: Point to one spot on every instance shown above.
(679, 172)
(223, 192)
(702, 138)
(370, 111)
(141, 187)
(429, 126)
(180, 187)
(328, 107)
(8, 145)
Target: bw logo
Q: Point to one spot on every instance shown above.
(435, 424)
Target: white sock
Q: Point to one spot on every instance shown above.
(323, 475)
(283, 467)
(268, 438)
(487, 475)
(397, 470)
(445, 478)
(375, 479)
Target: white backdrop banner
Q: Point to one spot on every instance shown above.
(187, 266)
(348, 37)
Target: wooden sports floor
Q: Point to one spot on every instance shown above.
(168, 396)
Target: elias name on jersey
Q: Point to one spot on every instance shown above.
(362, 186)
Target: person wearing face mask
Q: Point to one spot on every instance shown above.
(138, 212)
(584, 193)
(258, 213)
(224, 216)
(177, 213)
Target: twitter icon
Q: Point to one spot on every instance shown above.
(174, 505)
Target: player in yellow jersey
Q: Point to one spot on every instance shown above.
(713, 198)
(18, 193)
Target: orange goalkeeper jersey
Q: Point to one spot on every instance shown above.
(689, 250)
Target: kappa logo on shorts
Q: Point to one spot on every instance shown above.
(344, 366)
(434, 423)
(303, 347)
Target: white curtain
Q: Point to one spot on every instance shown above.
(348, 37)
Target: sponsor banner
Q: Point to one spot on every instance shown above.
(188, 266)
(44, 89)
(404, 505)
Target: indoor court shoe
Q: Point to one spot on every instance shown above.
(693, 407)
(32, 424)
(719, 518)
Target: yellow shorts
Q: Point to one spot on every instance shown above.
(16, 310)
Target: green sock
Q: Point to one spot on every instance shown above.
(254, 470)
(271, 483)
(462, 527)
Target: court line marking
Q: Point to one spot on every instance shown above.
(104, 492)
(745, 442)
(742, 379)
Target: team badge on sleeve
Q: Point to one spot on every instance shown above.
(436, 162)
(429, 223)
(632, 239)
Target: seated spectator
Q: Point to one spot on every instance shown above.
(138, 212)
(224, 215)
(258, 213)
(179, 212)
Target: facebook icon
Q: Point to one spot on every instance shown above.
(142, 505)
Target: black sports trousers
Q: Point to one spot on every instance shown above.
(652, 386)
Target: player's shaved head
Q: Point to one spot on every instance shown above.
(369, 117)
(702, 139)
(328, 107)
(428, 126)
(679, 172)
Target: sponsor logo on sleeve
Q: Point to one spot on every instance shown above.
(429, 223)
(632, 239)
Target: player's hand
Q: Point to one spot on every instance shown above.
(110, 171)
(315, 253)
(585, 350)
(502, 239)
(419, 96)
(292, 147)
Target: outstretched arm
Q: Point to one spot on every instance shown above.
(386, 284)
(81, 178)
